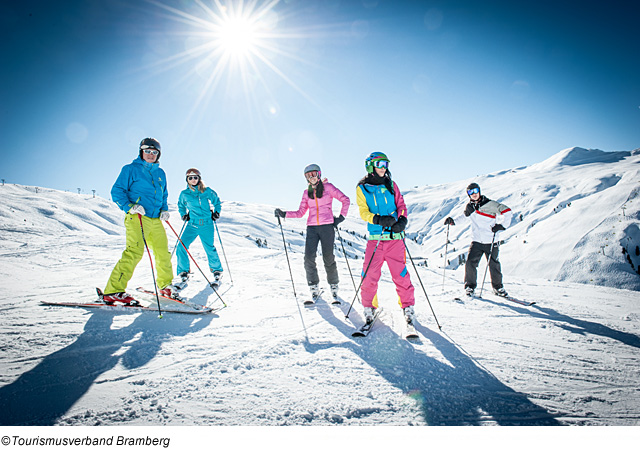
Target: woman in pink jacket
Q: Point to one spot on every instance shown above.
(318, 199)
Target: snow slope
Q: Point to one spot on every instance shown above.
(571, 359)
(573, 215)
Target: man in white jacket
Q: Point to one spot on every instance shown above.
(488, 218)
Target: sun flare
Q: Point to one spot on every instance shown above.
(238, 36)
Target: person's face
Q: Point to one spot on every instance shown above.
(380, 171)
(312, 177)
(193, 180)
(475, 196)
(150, 155)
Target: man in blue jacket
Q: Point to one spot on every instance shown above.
(141, 192)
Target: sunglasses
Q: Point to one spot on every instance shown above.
(150, 152)
(193, 177)
(381, 164)
(473, 191)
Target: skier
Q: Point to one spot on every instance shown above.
(141, 192)
(199, 206)
(318, 199)
(485, 215)
(382, 206)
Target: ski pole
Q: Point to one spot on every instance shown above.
(347, 261)
(194, 261)
(284, 243)
(363, 277)
(181, 231)
(488, 260)
(152, 272)
(223, 252)
(422, 285)
(444, 269)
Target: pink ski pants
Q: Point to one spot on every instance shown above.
(393, 253)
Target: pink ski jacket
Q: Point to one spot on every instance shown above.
(320, 211)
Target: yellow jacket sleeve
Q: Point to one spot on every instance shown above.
(366, 215)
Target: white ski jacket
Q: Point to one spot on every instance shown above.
(487, 214)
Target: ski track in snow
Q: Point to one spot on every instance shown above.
(571, 359)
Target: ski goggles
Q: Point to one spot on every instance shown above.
(150, 152)
(381, 164)
(312, 174)
(193, 177)
(473, 191)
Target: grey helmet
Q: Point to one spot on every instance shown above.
(311, 168)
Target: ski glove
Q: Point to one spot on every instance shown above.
(384, 221)
(186, 217)
(164, 216)
(497, 227)
(338, 220)
(400, 225)
(137, 209)
(280, 213)
(449, 221)
(471, 207)
(215, 215)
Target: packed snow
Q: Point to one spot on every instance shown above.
(571, 359)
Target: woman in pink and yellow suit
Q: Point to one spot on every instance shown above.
(382, 206)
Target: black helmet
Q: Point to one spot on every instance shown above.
(148, 143)
(471, 187)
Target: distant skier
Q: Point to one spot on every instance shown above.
(488, 218)
(141, 192)
(318, 199)
(199, 206)
(382, 206)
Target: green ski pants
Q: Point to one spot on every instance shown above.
(156, 237)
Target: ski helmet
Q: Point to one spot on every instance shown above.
(376, 159)
(312, 168)
(471, 187)
(150, 143)
(193, 171)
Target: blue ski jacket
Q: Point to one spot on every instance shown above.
(143, 183)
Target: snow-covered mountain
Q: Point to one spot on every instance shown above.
(576, 218)
(572, 358)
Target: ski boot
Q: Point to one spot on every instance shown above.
(184, 276)
(469, 291)
(409, 314)
(119, 297)
(500, 292)
(170, 291)
(369, 313)
(217, 277)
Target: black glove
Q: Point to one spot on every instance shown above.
(400, 225)
(186, 217)
(215, 215)
(280, 213)
(384, 221)
(449, 221)
(497, 227)
(338, 220)
(469, 209)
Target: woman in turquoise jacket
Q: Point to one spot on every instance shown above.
(199, 206)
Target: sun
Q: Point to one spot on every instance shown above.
(238, 36)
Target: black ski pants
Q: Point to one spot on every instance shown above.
(476, 251)
(325, 235)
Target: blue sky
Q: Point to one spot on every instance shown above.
(448, 89)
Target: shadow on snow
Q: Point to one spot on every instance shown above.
(45, 393)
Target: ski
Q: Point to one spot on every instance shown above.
(518, 301)
(366, 328)
(312, 301)
(180, 301)
(410, 332)
(122, 307)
